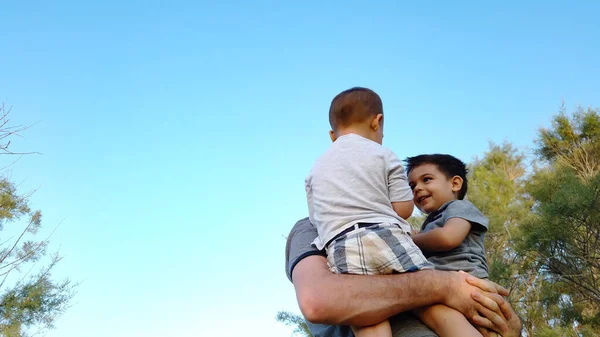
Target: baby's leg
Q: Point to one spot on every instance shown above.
(446, 322)
(382, 329)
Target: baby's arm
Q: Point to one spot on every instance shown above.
(404, 209)
(399, 192)
(445, 238)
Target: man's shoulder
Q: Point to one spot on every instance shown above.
(299, 244)
(301, 225)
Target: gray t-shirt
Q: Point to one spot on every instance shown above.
(299, 246)
(355, 180)
(470, 255)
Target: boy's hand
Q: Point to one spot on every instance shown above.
(414, 232)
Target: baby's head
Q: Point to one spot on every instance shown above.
(436, 179)
(357, 110)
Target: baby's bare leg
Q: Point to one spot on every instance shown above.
(446, 322)
(382, 329)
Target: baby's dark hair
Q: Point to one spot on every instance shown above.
(354, 105)
(450, 166)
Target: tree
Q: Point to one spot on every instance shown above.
(563, 230)
(30, 300)
(497, 186)
(297, 321)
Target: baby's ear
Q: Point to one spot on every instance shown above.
(377, 122)
(457, 183)
(332, 135)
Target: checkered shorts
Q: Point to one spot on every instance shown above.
(377, 249)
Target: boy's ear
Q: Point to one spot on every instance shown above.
(332, 135)
(377, 122)
(457, 183)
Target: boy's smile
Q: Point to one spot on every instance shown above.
(431, 188)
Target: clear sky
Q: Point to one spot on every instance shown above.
(176, 135)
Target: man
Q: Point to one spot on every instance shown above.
(331, 303)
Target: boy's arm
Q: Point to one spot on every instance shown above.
(404, 209)
(445, 238)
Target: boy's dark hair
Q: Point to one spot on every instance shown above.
(354, 105)
(450, 166)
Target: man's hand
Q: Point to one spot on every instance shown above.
(459, 294)
(497, 313)
(478, 300)
(485, 285)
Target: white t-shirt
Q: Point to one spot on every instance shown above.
(355, 180)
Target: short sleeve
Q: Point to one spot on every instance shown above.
(397, 180)
(299, 245)
(466, 210)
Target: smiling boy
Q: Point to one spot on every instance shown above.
(452, 235)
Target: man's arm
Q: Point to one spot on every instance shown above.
(361, 300)
(344, 299)
(444, 238)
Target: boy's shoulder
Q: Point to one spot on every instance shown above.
(466, 210)
(459, 205)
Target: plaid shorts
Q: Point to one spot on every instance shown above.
(377, 249)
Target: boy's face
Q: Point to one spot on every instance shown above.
(431, 188)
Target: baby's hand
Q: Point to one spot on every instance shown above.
(414, 232)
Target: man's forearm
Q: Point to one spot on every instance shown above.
(362, 300)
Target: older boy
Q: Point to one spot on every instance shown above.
(452, 235)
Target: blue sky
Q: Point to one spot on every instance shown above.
(176, 135)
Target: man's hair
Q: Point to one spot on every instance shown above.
(450, 166)
(352, 106)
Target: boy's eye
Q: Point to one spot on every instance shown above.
(426, 179)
